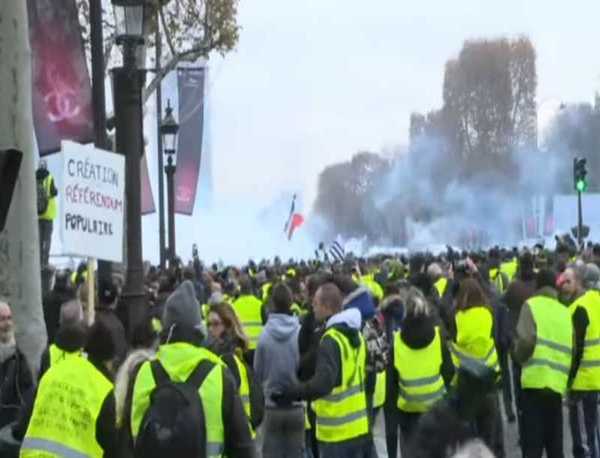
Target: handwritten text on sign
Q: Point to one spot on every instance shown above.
(92, 202)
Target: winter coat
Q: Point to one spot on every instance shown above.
(52, 303)
(277, 356)
(16, 386)
(308, 344)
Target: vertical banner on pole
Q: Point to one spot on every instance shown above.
(62, 92)
(191, 126)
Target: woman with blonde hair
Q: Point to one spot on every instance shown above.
(227, 340)
(422, 364)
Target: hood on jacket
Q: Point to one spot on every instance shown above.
(348, 322)
(281, 326)
(361, 299)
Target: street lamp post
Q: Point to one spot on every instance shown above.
(168, 130)
(128, 82)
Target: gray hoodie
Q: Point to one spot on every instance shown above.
(277, 355)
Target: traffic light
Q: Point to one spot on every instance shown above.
(580, 174)
(10, 163)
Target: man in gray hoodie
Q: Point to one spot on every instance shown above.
(276, 363)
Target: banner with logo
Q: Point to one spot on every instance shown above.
(92, 202)
(62, 93)
(191, 126)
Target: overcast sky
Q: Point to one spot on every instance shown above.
(314, 81)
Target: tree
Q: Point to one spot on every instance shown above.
(192, 30)
(489, 99)
(20, 283)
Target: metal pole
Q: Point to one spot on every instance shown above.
(170, 171)
(99, 99)
(128, 83)
(161, 183)
(579, 221)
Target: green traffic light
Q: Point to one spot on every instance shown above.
(581, 185)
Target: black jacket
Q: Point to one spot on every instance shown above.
(308, 345)
(42, 174)
(580, 323)
(52, 303)
(16, 386)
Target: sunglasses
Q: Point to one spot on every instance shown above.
(214, 323)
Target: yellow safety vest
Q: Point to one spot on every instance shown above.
(372, 285)
(244, 390)
(550, 364)
(265, 290)
(249, 311)
(420, 383)
(474, 338)
(441, 286)
(179, 361)
(498, 280)
(380, 391)
(50, 213)
(58, 354)
(342, 414)
(510, 268)
(588, 373)
(69, 399)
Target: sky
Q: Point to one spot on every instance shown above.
(314, 81)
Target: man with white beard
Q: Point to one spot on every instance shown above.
(16, 381)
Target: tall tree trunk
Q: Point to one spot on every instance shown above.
(20, 282)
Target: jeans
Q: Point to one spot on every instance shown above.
(542, 424)
(583, 417)
(45, 231)
(283, 433)
(349, 449)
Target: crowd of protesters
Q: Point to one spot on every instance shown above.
(300, 359)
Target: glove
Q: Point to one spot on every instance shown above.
(287, 395)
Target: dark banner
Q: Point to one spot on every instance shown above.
(147, 198)
(191, 126)
(62, 93)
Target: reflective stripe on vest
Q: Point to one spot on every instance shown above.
(179, 360)
(588, 373)
(549, 366)
(68, 402)
(420, 383)
(474, 338)
(342, 414)
(249, 311)
(244, 390)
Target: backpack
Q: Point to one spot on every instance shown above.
(42, 197)
(378, 347)
(174, 424)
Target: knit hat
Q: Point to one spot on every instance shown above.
(182, 308)
(591, 277)
(100, 343)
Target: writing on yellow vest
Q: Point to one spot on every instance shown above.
(342, 414)
(67, 406)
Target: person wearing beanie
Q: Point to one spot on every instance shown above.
(584, 378)
(179, 355)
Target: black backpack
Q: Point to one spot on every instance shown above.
(42, 197)
(174, 424)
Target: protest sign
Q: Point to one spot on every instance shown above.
(92, 202)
